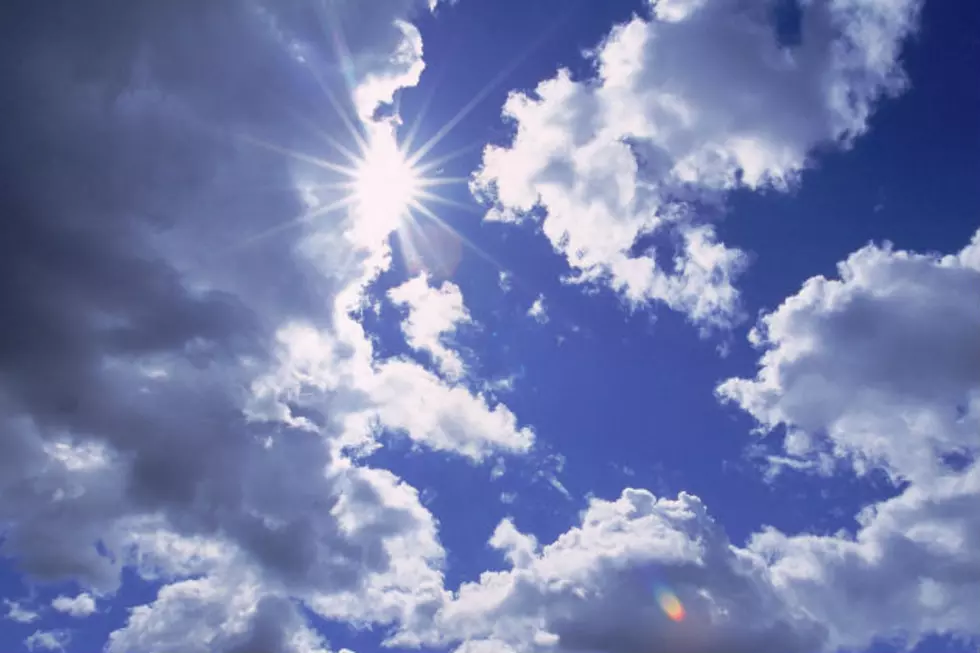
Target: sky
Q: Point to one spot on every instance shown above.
(489, 326)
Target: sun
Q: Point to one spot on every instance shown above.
(385, 186)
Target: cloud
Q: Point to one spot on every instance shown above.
(161, 240)
(47, 640)
(498, 470)
(595, 588)
(386, 512)
(896, 335)
(186, 389)
(81, 606)
(217, 613)
(433, 317)
(687, 102)
(20, 614)
(880, 369)
(911, 570)
(415, 401)
(394, 394)
(881, 366)
(538, 312)
(518, 548)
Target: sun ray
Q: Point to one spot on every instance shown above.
(384, 182)
(436, 182)
(432, 215)
(341, 113)
(344, 151)
(487, 88)
(303, 218)
(299, 156)
(343, 56)
(448, 201)
(434, 164)
(413, 130)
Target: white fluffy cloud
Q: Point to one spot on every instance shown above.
(690, 101)
(433, 316)
(394, 394)
(216, 613)
(387, 513)
(538, 311)
(20, 614)
(881, 365)
(881, 368)
(897, 335)
(912, 570)
(80, 606)
(47, 640)
(414, 400)
(596, 587)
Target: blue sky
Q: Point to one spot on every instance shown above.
(524, 327)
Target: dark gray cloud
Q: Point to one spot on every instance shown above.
(136, 303)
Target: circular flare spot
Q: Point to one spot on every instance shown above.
(670, 604)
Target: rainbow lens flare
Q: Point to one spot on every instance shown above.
(670, 604)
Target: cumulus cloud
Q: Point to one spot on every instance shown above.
(433, 317)
(80, 606)
(168, 219)
(538, 312)
(216, 613)
(518, 548)
(880, 368)
(47, 640)
(911, 570)
(394, 394)
(881, 365)
(688, 101)
(20, 614)
(595, 588)
(415, 401)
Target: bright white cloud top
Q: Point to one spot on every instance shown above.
(433, 315)
(889, 348)
(689, 101)
(228, 368)
(79, 606)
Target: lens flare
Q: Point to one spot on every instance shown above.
(381, 186)
(385, 183)
(670, 604)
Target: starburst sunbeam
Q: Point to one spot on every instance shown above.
(385, 184)
(299, 156)
(304, 218)
(487, 88)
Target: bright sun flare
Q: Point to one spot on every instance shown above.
(388, 186)
(385, 185)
